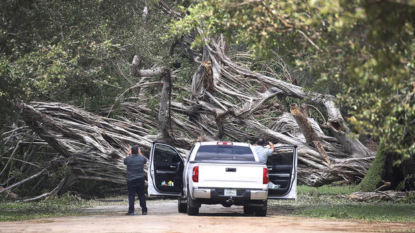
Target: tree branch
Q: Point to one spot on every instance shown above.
(23, 181)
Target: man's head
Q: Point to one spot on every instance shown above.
(260, 142)
(134, 149)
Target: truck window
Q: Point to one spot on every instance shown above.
(229, 153)
(165, 154)
(281, 159)
(281, 156)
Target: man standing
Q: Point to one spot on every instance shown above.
(262, 151)
(135, 179)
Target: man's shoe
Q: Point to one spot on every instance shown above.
(145, 213)
(129, 213)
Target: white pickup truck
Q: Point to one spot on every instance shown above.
(227, 173)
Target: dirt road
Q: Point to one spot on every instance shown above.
(163, 217)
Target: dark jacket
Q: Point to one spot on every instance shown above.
(135, 166)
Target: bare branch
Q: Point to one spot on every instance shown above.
(21, 161)
(11, 156)
(23, 181)
(51, 193)
(309, 40)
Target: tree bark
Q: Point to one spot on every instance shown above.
(308, 131)
(164, 112)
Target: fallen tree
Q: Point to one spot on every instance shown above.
(226, 103)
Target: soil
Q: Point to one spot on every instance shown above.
(164, 217)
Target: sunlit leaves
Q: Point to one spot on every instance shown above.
(51, 66)
(256, 22)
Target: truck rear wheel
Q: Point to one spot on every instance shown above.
(191, 210)
(263, 210)
(249, 210)
(181, 207)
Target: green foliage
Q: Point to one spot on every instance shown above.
(382, 73)
(257, 23)
(52, 68)
(75, 52)
(53, 206)
(326, 190)
(364, 51)
(362, 211)
(331, 202)
(323, 202)
(410, 198)
(402, 186)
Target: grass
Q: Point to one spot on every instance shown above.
(331, 202)
(385, 212)
(328, 202)
(65, 205)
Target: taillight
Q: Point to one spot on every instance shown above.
(224, 143)
(195, 175)
(265, 178)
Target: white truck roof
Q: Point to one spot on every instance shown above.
(223, 143)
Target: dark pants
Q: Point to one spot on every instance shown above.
(136, 186)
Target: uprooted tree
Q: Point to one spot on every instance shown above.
(342, 42)
(225, 101)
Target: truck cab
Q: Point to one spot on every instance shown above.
(227, 173)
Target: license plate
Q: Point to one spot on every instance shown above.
(230, 192)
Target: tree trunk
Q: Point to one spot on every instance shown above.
(308, 131)
(164, 112)
(373, 178)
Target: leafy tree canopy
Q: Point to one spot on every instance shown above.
(74, 51)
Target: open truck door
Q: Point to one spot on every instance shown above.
(165, 172)
(282, 171)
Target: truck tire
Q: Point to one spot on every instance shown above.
(263, 210)
(181, 207)
(191, 210)
(249, 210)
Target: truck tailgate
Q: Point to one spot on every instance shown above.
(244, 176)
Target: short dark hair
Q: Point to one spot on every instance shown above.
(134, 149)
(260, 141)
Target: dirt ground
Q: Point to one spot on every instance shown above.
(163, 217)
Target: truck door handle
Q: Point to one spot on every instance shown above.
(231, 169)
(171, 166)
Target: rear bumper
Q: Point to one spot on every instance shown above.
(218, 194)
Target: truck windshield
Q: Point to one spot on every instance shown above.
(232, 153)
